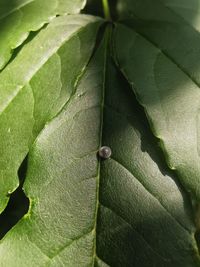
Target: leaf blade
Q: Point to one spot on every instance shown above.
(47, 97)
(19, 18)
(170, 79)
(63, 182)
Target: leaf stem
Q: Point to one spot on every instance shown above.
(106, 9)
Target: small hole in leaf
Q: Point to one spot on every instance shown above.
(18, 204)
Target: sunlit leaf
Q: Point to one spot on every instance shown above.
(19, 17)
(35, 87)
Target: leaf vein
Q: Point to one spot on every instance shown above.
(167, 56)
(139, 180)
(16, 9)
(135, 230)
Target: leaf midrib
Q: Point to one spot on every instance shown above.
(101, 138)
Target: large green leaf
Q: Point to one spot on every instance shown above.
(163, 49)
(19, 17)
(35, 87)
(125, 211)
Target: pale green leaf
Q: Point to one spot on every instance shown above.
(35, 87)
(19, 17)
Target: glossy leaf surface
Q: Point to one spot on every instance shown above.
(35, 87)
(91, 212)
(82, 83)
(19, 17)
(169, 88)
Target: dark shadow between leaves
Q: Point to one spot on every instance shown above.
(95, 7)
(17, 50)
(18, 204)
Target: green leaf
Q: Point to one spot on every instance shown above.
(166, 30)
(159, 56)
(19, 17)
(189, 10)
(35, 87)
(124, 211)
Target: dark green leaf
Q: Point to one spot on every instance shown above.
(189, 10)
(159, 54)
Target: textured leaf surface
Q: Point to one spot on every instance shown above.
(166, 30)
(35, 87)
(127, 209)
(189, 10)
(19, 17)
(169, 87)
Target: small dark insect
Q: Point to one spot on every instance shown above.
(105, 152)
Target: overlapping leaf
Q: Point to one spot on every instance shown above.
(35, 87)
(163, 48)
(19, 17)
(124, 211)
